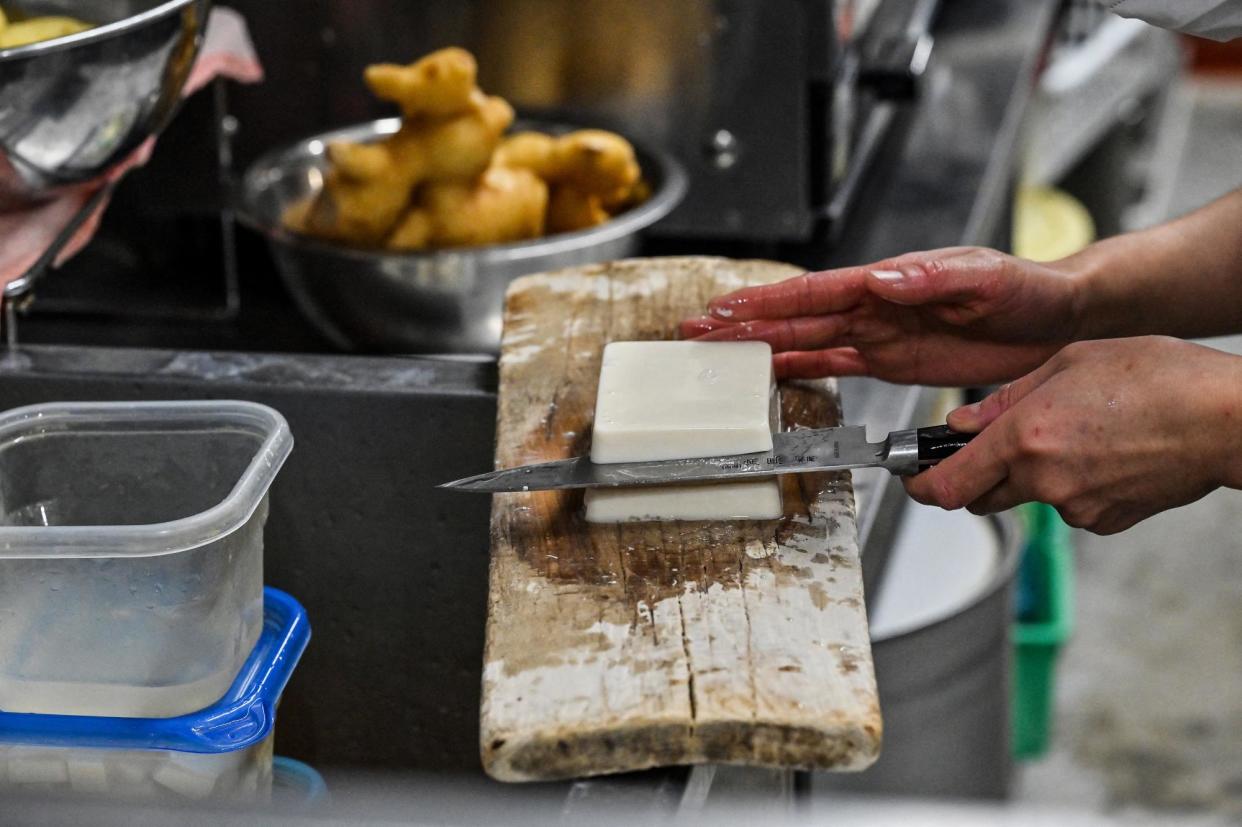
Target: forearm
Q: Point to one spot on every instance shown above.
(1182, 278)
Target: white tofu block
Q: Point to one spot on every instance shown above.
(670, 400)
(673, 400)
(757, 500)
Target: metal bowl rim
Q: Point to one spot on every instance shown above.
(673, 184)
(96, 33)
(1009, 545)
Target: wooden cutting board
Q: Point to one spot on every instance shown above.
(616, 648)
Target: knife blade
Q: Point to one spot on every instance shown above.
(793, 452)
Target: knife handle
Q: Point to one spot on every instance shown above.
(939, 442)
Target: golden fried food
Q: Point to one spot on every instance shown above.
(36, 29)
(447, 178)
(594, 161)
(354, 213)
(626, 197)
(360, 162)
(413, 231)
(572, 209)
(529, 150)
(503, 205)
(369, 185)
(438, 85)
(460, 148)
(296, 216)
(363, 195)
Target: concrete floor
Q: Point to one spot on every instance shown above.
(1149, 717)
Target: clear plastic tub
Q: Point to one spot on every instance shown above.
(221, 751)
(147, 774)
(131, 552)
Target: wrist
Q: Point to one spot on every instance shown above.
(1097, 310)
(1224, 426)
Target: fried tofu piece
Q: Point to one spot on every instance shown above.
(529, 150)
(502, 205)
(626, 197)
(593, 161)
(413, 231)
(364, 193)
(435, 86)
(572, 209)
(458, 148)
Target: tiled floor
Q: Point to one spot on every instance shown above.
(1150, 687)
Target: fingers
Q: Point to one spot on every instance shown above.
(831, 291)
(966, 476)
(951, 275)
(792, 364)
(804, 333)
(1002, 497)
(976, 416)
(954, 275)
(815, 364)
(693, 328)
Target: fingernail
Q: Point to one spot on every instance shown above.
(722, 310)
(889, 276)
(964, 416)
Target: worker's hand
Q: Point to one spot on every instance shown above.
(1109, 432)
(958, 316)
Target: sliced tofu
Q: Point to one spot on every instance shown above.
(672, 400)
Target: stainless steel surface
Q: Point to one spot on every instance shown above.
(901, 453)
(448, 301)
(72, 107)
(944, 690)
(793, 452)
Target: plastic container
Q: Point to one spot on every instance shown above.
(131, 552)
(221, 751)
(1045, 621)
(295, 784)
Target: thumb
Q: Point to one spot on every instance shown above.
(970, 419)
(939, 276)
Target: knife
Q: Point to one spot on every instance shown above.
(793, 452)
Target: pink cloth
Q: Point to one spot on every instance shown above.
(27, 229)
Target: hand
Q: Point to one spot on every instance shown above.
(1109, 432)
(958, 316)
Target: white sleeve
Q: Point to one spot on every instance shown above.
(1214, 19)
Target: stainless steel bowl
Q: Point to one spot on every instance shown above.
(72, 107)
(446, 302)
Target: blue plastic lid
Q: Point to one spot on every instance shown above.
(242, 718)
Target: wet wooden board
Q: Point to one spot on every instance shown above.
(613, 648)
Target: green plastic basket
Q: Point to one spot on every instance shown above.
(1047, 575)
